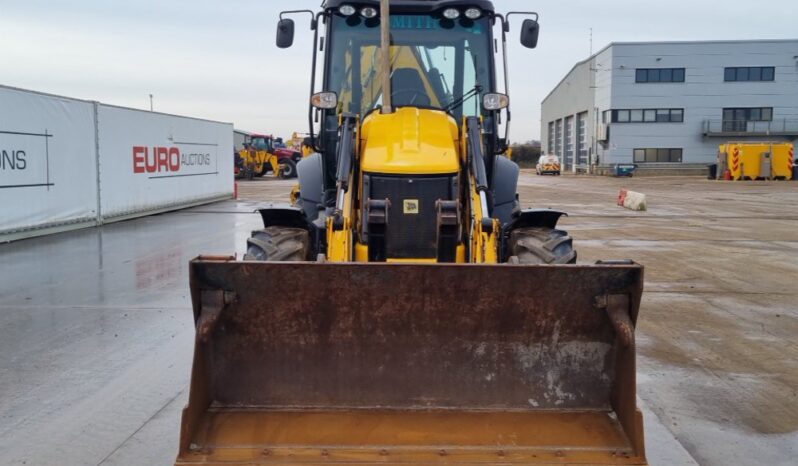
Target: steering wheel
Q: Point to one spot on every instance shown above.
(416, 95)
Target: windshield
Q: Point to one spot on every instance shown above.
(259, 143)
(434, 63)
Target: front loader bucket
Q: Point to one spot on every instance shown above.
(318, 363)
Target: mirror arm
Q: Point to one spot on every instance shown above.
(313, 18)
(314, 23)
(523, 13)
(505, 30)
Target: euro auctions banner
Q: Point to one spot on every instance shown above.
(156, 161)
(48, 174)
(67, 163)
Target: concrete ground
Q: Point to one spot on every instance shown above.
(96, 330)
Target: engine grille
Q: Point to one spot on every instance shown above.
(412, 231)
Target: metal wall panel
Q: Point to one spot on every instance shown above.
(67, 163)
(151, 161)
(47, 163)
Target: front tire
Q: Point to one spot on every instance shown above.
(288, 170)
(280, 244)
(539, 245)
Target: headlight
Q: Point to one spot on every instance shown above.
(451, 13)
(473, 13)
(347, 10)
(368, 12)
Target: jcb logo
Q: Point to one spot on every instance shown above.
(411, 206)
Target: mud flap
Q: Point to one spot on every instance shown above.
(413, 364)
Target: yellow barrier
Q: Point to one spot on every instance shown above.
(761, 160)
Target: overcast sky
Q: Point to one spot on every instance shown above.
(217, 59)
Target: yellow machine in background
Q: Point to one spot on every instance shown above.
(259, 157)
(756, 160)
(255, 160)
(429, 319)
(302, 143)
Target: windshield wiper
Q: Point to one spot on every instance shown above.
(475, 91)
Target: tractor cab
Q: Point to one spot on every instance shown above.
(261, 143)
(444, 56)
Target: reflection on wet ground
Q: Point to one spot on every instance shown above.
(96, 335)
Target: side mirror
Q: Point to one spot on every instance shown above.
(285, 33)
(530, 31)
(324, 100)
(493, 102)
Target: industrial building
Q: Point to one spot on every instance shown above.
(239, 138)
(668, 105)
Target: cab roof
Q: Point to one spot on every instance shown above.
(415, 6)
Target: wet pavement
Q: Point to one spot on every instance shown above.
(96, 330)
(96, 337)
(718, 353)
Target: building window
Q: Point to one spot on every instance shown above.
(558, 139)
(658, 155)
(569, 139)
(581, 137)
(737, 119)
(749, 73)
(650, 115)
(659, 75)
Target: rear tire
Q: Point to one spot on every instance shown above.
(280, 244)
(289, 169)
(539, 245)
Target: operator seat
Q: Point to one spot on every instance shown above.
(407, 88)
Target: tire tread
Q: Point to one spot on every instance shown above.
(539, 245)
(281, 244)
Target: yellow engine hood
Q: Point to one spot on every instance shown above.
(409, 141)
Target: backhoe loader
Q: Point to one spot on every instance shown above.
(432, 320)
(260, 156)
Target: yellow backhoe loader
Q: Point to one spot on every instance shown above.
(431, 320)
(260, 156)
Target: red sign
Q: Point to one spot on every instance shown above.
(155, 159)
